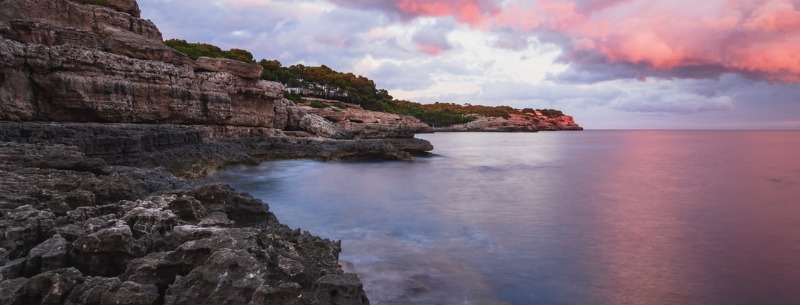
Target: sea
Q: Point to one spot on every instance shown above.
(592, 217)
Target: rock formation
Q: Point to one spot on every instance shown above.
(365, 124)
(78, 231)
(527, 122)
(98, 119)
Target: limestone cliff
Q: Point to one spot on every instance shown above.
(526, 122)
(67, 61)
(366, 124)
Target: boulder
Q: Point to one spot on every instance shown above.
(227, 277)
(53, 286)
(91, 290)
(51, 254)
(344, 289)
(131, 293)
(323, 128)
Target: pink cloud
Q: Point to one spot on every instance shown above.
(755, 37)
(430, 48)
(465, 11)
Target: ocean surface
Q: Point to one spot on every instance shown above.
(593, 217)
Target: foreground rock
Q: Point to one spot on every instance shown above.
(100, 123)
(100, 234)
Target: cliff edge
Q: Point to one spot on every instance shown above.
(100, 124)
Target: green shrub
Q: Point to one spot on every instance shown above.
(197, 50)
(319, 105)
(340, 105)
(294, 98)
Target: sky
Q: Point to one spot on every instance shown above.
(612, 64)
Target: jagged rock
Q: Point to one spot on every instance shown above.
(131, 293)
(23, 228)
(216, 219)
(323, 128)
(235, 67)
(91, 290)
(287, 115)
(344, 289)
(52, 287)
(132, 45)
(50, 255)
(3, 256)
(244, 210)
(14, 291)
(105, 252)
(188, 208)
(12, 269)
(227, 277)
(126, 6)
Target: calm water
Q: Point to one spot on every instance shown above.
(594, 217)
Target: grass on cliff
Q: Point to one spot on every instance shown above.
(197, 50)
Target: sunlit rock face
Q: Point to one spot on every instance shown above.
(366, 124)
(68, 61)
(527, 122)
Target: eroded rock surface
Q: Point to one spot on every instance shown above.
(183, 244)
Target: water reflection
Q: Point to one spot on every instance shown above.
(559, 218)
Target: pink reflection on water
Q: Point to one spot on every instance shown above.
(663, 225)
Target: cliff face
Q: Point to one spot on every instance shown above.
(528, 122)
(366, 124)
(68, 61)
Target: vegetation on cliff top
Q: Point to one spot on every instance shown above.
(324, 82)
(197, 50)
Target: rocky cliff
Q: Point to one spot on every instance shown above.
(526, 122)
(99, 119)
(366, 124)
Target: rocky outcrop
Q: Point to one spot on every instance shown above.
(66, 61)
(183, 244)
(365, 124)
(526, 122)
(98, 119)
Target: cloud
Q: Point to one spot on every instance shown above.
(756, 38)
(432, 39)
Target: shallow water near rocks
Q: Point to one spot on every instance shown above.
(593, 217)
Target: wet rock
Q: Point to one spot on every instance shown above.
(342, 289)
(50, 255)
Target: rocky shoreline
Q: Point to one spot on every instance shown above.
(78, 227)
(103, 132)
(527, 122)
(78, 231)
